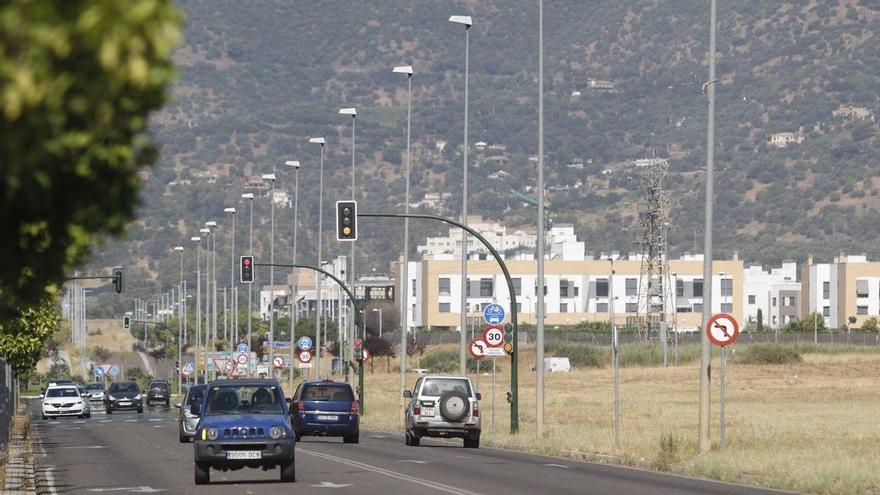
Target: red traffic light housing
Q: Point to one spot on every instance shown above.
(247, 269)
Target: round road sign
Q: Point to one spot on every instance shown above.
(365, 355)
(241, 359)
(305, 356)
(114, 370)
(99, 371)
(493, 314)
(304, 343)
(278, 361)
(243, 348)
(477, 348)
(722, 329)
(357, 342)
(493, 336)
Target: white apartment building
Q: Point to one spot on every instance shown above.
(449, 247)
(817, 294)
(768, 291)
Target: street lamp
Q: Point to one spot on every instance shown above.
(349, 374)
(212, 287)
(271, 177)
(322, 142)
(539, 341)
(233, 302)
(293, 289)
(465, 21)
(198, 241)
(404, 312)
(179, 249)
(379, 310)
(250, 196)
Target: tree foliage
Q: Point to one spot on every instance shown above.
(22, 339)
(78, 81)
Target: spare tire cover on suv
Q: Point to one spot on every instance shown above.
(454, 406)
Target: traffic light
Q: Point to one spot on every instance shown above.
(247, 269)
(117, 281)
(346, 220)
(126, 322)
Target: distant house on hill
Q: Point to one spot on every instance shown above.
(256, 183)
(853, 113)
(783, 139)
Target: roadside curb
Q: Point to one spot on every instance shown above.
(19, 467)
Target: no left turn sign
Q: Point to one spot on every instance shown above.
(722, 329)
(477, 348)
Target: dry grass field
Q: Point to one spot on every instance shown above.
(811, 426)
(109, 334)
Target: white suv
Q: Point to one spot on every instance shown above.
(445, 407)
(65, 400)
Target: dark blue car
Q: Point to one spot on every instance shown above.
(326, 408)
(243, 423)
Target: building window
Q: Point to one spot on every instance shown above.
(826, 311)
(774, 301)
(727, 307)
(826, 290)
(602, 287)
(601, 307)
(486, 287)
(563, 289)
(517, 286)
(683, 309)
(632, 307)
(631, 288)
(414, 288)
(679, 288)
(698, 287)
(861, 310)
(861, 288)
(563, 307)
(519, 307)
(576, 291)
(698, 307)
(751, 299)
(726, 287)
(444, 307)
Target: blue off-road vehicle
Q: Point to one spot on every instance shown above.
(243, 423)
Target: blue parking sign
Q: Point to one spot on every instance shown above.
(493, 314)
(99, 371)
(242, 348)
(304, 343)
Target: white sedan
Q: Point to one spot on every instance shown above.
(65, 400)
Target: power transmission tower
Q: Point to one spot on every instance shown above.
(654, 297)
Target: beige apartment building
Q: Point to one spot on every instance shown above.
(576, 291)
(847, 287)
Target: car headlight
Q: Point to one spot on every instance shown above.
(212, 433)
(137, 397)
(277, 432)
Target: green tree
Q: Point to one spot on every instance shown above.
(100, 354)
(871, 325)
(760, 320)
(78, 80)
(22, 339)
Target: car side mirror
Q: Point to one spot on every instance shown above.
(178, 405)
(479, 396)
(42, 396)
(407, 394)
(85, 394)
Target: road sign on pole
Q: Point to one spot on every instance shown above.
(722, 329)
(242, 348)
(278, 362)
(365, 355)
(188, 369)
(304, 343)
(99, 372)
(493, 336)
(493, 314)
(241, 358)
(305, 358)
(114, 370)
(477, 348)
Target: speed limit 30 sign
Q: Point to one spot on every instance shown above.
(493, 336)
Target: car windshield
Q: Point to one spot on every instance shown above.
(328, 393)
(195, 394)
(62, 392)
(124, 387)
(94, 386)
(244, 399)
(160, 386)
(435, 387)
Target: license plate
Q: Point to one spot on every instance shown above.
(244, 454)
(323, 417)
(124, 402)
(429, 411)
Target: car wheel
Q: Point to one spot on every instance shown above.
(472, 441)
(141, 410)
(89, 415)
(202, 473)
(353, 438)
(288, 471)
(183, 438)
(414, 441)
(406, 439)
(45, 417)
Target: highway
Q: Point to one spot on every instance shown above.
(139, 453)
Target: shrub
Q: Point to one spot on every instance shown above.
(446, 361)
(768, 354)
(580, 355)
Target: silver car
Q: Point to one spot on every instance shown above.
(444, 407)
(188, 421)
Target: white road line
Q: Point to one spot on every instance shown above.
(50, 480)
(85, 447)
(555, 465)
(391, 474)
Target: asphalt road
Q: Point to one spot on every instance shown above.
(139, 453)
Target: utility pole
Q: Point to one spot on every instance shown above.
(539, 344)
(705, 351)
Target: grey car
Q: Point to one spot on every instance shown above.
(188, 421)
(444, 407)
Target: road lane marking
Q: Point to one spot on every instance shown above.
(156, 419)
(85, 447)
(414, 461)
(128, 489)
(329, 484)
(391, 474)
(555, 465)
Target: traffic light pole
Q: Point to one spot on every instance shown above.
(353, 307)
(514, 382)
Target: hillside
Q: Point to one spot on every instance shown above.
(256, 81)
